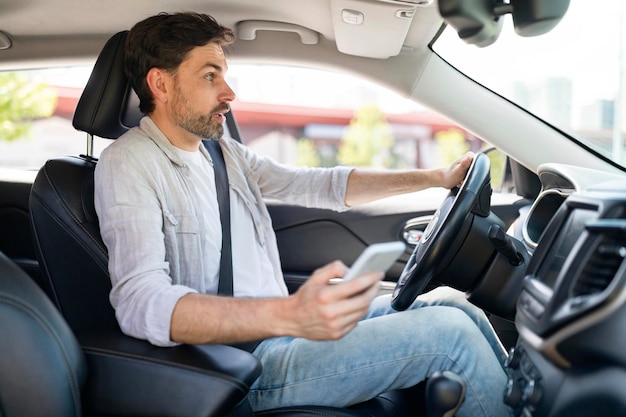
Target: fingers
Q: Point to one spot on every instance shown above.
(464, 162)
(340, 317)
(352, 288)
(456, 172)
(329, 312)
(321, 276)
(350, 301)
(467, 158)
(338, 269)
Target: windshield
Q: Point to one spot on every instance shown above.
(572, 77)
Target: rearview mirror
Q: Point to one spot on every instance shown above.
(473, 20)
(536, 17)
(478, 22)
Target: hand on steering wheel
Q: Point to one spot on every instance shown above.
(444, 233)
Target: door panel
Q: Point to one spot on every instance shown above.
(15, 237)
(310, 238)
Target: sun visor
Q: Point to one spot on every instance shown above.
(372, 29)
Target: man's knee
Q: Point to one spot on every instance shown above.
(446, 296)
(436, 320)
(443, 294)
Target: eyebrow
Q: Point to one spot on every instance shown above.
(214, 66)
(211, 63)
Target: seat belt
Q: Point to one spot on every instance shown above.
(225, 284)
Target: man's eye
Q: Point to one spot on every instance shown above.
(209, 77)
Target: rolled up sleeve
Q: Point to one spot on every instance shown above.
(310, 187)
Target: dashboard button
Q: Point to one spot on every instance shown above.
(513, 393)
(532, 393)
(514, 358)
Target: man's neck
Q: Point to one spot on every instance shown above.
(178, 137)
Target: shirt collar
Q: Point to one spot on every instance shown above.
(158, 137)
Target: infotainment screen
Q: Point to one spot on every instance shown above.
(562, 245)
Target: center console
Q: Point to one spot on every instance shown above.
(571, 313)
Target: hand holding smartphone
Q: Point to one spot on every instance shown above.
(375, 258)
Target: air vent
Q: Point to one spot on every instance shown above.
(601, 267)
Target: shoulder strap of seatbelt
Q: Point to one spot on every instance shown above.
(225, 286)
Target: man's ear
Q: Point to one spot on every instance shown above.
(157, 82)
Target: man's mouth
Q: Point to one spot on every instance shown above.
(220, 115)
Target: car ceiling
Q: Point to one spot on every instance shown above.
(78, 27)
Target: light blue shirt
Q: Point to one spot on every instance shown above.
(148, 206)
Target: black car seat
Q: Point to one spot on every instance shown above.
(74, 259)
(44, 372)
(42, 368)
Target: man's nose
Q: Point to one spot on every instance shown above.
(227, 94)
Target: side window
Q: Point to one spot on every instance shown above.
(36, 109)
(306, 117)
(295, 115)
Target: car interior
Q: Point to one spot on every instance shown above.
(65, 224)
(547, 263)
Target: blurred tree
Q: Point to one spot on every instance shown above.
(367, 140)
(452, 144)
(307, 155)
(498, 167)
(21, 101)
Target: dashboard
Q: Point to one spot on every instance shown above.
(570, 358)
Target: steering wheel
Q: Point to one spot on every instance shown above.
(445, 232)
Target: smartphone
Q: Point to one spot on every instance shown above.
(375, 258)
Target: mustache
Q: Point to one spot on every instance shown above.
(223, 108)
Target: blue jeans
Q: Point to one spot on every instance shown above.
(388, 350)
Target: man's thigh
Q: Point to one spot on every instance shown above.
(445, 296)
(385, 352)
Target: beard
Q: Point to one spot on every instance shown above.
(202, 125)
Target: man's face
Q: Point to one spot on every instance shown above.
(201, 95)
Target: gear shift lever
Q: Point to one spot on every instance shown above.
(445, 392)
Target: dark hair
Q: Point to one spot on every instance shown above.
(163, 41)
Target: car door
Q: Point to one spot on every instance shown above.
(15, 237)
(310, 238)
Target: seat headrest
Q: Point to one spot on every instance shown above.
(108, 106)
